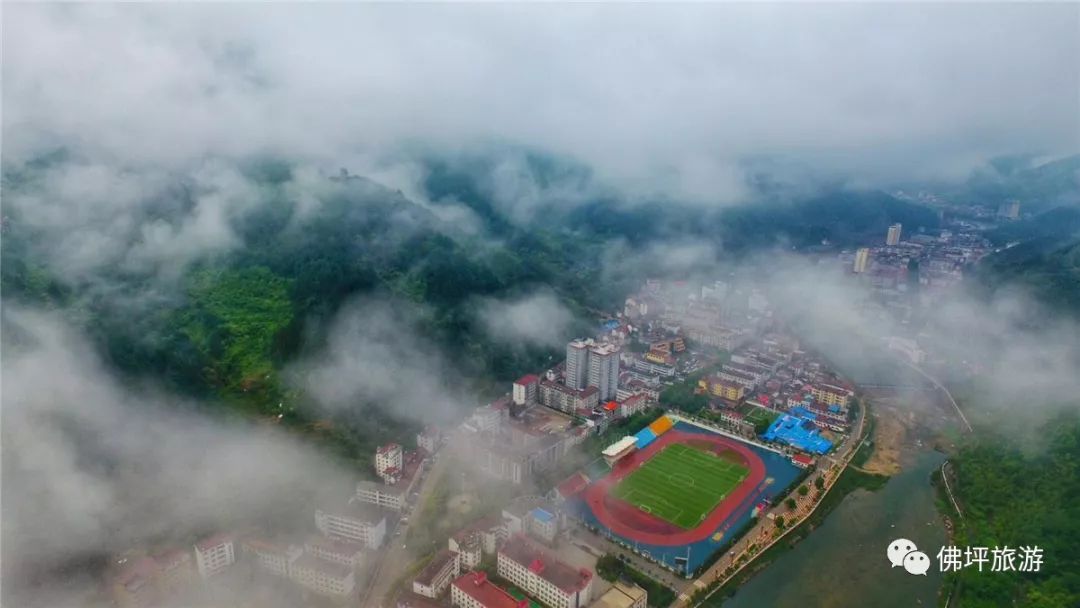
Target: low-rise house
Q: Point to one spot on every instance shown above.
(438, 574)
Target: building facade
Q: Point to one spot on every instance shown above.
(892, 237)
(438, 574)
(541, 575)
(356, 524)
(604, 370)
(862, 260)
(346, 552)
(387, 497)
(213, 555)
(323, 577)
(388, 458)
(577, 363)
(474, 590)
(271, 557)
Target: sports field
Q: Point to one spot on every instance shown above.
(680, 484)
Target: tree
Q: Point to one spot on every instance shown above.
(779, 521)
(819, 483)
(790, 503)
(803, 490)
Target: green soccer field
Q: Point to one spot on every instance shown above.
(681, 484)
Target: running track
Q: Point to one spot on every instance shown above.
(618, 515)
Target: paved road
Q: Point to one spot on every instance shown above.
(395, 558)
(603, 545)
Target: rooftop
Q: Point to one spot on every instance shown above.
(335, 545)
(542, 515)
(621, 595)
(476, 586)
(437, 563)
(308, 561)
(408, 599)
(527, 379)
(374, 486)
(385, 449)
(545, 565)
(210, 542)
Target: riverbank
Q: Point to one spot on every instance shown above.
(849, 481)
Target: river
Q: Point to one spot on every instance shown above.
(843, 563)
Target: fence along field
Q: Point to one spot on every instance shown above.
(681, 484)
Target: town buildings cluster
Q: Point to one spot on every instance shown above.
(325, 561)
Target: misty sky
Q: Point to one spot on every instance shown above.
(664, 98)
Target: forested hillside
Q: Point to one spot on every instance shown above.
(1014, 496)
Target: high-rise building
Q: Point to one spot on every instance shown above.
(577, 363)
(862, 259)
(893, 237)
(604, 370)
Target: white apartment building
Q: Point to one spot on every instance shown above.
(388, 457)
(272, 557)
(543, 576)
(355, 523)
(323, 577)
(526, 389)
(347, 552)
(577, 363)
(380, 495)
(438, 574)
(469, 545)
(604, 370)
(428, 439)
(214, 554)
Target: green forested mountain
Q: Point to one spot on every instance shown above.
(1014, 497)
(232, 319)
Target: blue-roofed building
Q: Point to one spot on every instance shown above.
(543, 524)
(797, 429)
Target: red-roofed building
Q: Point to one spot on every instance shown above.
(526, 389)
(543, 576)
(632, 405)
(387, 458)
(474, 590)
(802, 460)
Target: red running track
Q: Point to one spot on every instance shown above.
(628, 521)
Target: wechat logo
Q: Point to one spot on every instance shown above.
(903, 552)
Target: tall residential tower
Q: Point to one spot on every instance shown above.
(893, 237)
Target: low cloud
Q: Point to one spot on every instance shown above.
(92, 467)
(375, 353)
(537, 319)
